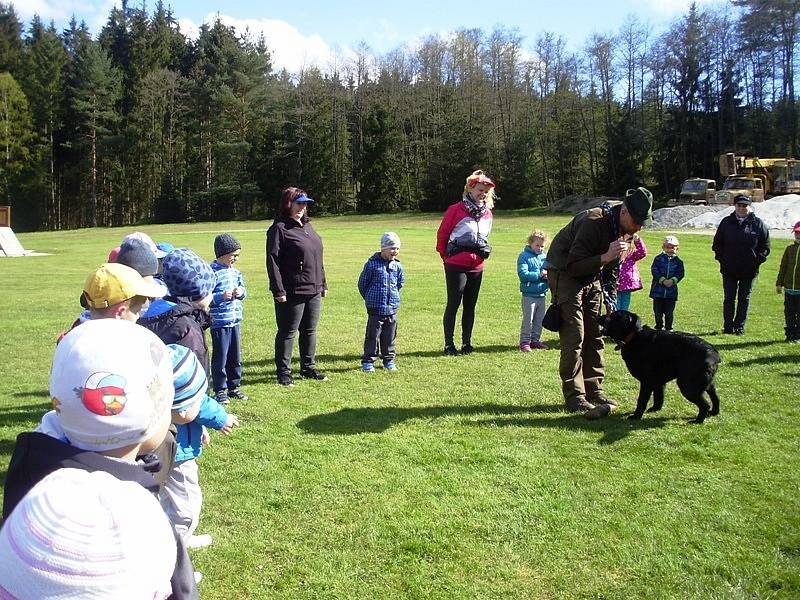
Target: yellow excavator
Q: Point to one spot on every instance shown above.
(757, 177)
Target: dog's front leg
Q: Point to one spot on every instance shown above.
(641, 401)
(658, 398)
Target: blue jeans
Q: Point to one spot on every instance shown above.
(623, 300)
(736, 301)
(379, 338)
(226, 358)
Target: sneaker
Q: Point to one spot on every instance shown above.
(313, 373)
(222, 397)
(237, 393)
(285, 379)
(198, 577)
(199, 541)
(390, 366)
(727, 330)
(578, 405)
(525, 347)
(538, 346)
(367, 367)
(600, 411)
(450, 350)
(467, 349)
(738, 331)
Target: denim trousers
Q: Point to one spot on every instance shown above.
(379, 338)
(736, 301)
(226, 358)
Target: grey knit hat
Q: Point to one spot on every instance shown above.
(138, 256)
(187, 275)
(224, 244)
(390, 240)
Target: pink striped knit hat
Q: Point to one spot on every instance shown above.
(86, 535)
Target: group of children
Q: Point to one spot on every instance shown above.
(129, 385)
(667, 270)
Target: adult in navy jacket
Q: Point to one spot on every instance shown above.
(462, 242)
(297, 282)
(741, 244)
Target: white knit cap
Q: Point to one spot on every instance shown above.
(671, 240)
(111, 384)
(86, 535)
(390, 240)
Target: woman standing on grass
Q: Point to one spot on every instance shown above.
(297, 282)
(462, 242)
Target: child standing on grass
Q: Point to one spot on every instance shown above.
(380, 283)
(226, 316)
(788, 282)
(629, 279)
(667, 271)
(192, 410)
(532, 272)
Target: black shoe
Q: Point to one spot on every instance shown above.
(450, 350)
(285, 379)
(237, 393)
(221, 397)
(467, 349)
(738, 331)
(313, 373)
(728, 331)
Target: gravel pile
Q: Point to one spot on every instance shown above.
(676, 216)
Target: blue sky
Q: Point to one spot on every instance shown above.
(323, 32)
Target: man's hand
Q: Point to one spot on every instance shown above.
(615, 250)
(280, 299)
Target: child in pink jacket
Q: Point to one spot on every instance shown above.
(629, 279)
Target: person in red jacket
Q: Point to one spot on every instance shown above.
(462, 242)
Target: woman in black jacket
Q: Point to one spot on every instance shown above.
(297, 282)
(741, 245)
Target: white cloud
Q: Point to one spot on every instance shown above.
(289, 48)
(671, 8)
(94, 13)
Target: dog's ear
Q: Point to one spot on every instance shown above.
(637, 322)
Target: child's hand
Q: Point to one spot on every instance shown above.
(668, 283)
(778, 289)
(544, 273)
(232, 422)
(237, 292)
(227, 294)
(205, 437)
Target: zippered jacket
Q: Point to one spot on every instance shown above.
(741, 248)
(529, 271)
(380, 283)
(666, 267)
(789, 271)
(458, 226)
(629, 278)
(294, 259)
(226, 313)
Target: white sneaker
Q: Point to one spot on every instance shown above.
(198, 577)
(199, 541)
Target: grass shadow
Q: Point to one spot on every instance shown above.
(612, 428)
(25, 413)
(765, 360)
(33, 394)
(352, 421)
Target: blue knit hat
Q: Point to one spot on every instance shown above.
(187, 275)
(188, 377)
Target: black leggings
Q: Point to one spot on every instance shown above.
(461, 286)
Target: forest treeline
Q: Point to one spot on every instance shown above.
(143, 124)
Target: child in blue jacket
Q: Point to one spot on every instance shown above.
(192, 410)
(667, 271)
(379, 284)
(532, 272)
(226, 315)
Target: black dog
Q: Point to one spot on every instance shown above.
(656, 357)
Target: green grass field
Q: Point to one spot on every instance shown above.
(461, 477)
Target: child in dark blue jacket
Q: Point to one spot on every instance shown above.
(380, 283)
(667, 271)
